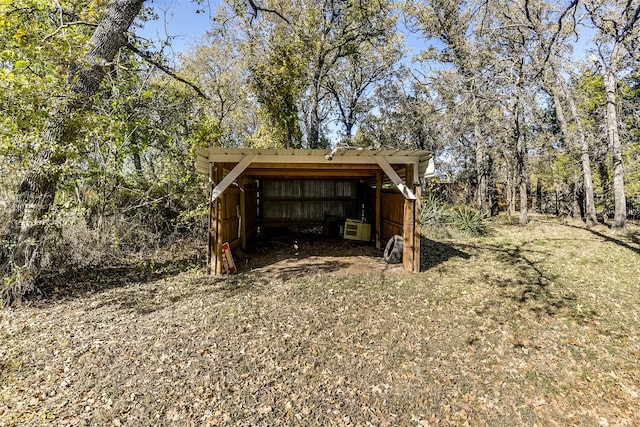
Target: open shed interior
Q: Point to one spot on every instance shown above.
(364, 195)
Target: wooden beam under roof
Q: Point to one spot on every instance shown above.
(231, 176)
(393, 176)
(292, 163)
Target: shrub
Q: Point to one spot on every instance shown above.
(468, 219)
(441, 218)
(434, 211)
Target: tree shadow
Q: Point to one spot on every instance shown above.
(78, 283)
(143, 301)
(527, 284)
(285, 257)
(530, 285)
(292, 255)
(632, 236)
(434, 253)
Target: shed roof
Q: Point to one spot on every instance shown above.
(278, 163)
(299, 163)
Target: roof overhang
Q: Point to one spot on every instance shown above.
(297, 163)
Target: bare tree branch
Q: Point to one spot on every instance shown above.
(256, 8)
(165, 69)
(67, 25)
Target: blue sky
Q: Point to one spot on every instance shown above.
(183, 21)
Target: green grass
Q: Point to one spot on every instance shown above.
(527, 325)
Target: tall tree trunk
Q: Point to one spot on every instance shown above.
(482, 172)
(585, 158)
(512, 197)
(314, 125)
(521, 157)
(576, 197)
(605, 178)
(494, 207)
(36, 193)
(620, 211)
(522, 179)
(540, 202)
(314, 128)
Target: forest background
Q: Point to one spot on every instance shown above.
(526, 105)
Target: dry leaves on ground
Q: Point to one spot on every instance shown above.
(528, 326)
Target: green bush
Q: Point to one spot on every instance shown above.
(441, 218)
(468, 219)
(434, 211)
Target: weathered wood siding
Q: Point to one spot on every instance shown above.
(307, 201)
(391, 214)
(230, 219)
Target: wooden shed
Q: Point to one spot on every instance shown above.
(252, 189)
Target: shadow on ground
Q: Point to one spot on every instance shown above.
(633, 237)
(527, 283)
(433, 253)
(88, 280)
(303, 267)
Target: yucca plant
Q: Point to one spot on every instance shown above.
(468, 219)
(434, 211)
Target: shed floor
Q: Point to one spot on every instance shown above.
(282, 254)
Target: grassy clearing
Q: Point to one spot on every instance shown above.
(535, 325)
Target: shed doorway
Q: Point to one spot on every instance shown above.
(254, 190)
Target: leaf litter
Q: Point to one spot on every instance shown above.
(527, 326)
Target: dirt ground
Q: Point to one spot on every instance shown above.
(283, 254)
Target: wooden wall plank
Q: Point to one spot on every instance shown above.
(243, 213)
(251, 209)
(417, 230)
(378, 206)
(218, 210)
(391, 214)
(308, 202)
(407, 234)
(210, 231)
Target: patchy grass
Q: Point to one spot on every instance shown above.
(534, 325)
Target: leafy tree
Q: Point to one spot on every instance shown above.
(21, 252)
(616, 40)
(335, 31)
(461, 83)
(630, 108)
(406, 117)
(352, 84)
(221, 70)
(277, 80)
(301, 46)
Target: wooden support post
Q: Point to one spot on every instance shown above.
(224, 183)
(260, 205)
(409, 227)
(378, 209)
(393, 176)
(407, 234)
(217, 217)
(210, 231)
(417, 229)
